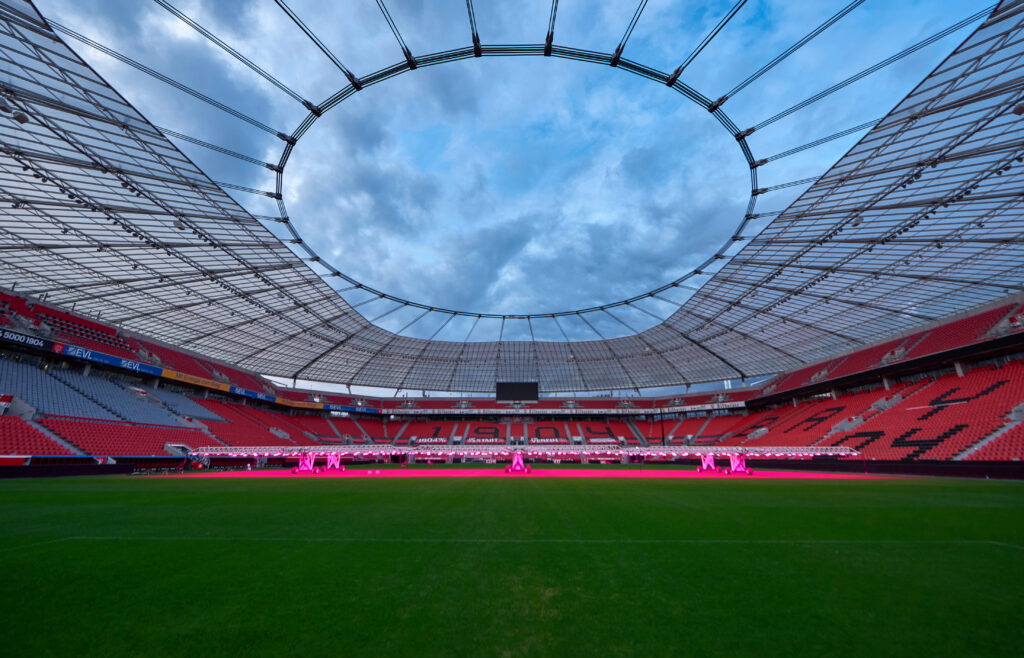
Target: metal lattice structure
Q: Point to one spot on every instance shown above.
(921, 220)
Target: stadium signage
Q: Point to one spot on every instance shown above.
(24, 339)
(107, 359)
(578, 411)
(192, 379)
(238, 390)
(736, 404)
(343, 407)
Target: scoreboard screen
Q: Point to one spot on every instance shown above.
(511, 391)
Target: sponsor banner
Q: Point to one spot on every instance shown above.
(360, 410)
(736, 404)
(192, 379)
(299, 404)
(238, 390)
(17, 338)
(578, 411)
(107, 359)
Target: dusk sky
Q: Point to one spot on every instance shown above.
(514, 185)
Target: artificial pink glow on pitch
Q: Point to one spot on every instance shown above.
(577, 473)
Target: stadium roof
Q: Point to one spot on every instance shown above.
(921, 220)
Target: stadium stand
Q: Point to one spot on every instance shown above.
(1008, 446)
(654, 431)
(547, 433)
(346, 427)
(275, 420)
(602, 433)
(815, 420)
(863, 360)
(237, 377)
(174, 360)
(718, 428)
(238, 428)
(183, 405)
(429, 429)
(86, 334)
(962, 332)
(483, 433)
(941, 419)
(47, 393)
(687, 430)
(316, 425)
(116, 399)
(122, 439)
(19, 438)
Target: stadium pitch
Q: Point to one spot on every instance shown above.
(509, 567)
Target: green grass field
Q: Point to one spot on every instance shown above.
(472, 567)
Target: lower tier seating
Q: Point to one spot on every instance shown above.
(239, 428)
(548, 433)
(942, 419)
(19, 438)
(122, 439)
(1006, 447)
(485, 433)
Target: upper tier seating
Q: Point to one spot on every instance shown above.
(961, 332)
(184, 406)
(175, 360)
(85, 333)
(19, 438)
(115, 398)
(46, 393)
(123, 439)
(942, 419)
(864, 359)
(238, 377)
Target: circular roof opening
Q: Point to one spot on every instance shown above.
(516, 186)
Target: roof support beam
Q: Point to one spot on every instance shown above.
(672, 79)
(167, 80)
(214, 39)
(786, 53)
(873, 69)
(352, 79)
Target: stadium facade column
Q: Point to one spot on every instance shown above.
(959, 368)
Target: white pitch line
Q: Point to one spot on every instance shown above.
(38, 543)
(514, 540)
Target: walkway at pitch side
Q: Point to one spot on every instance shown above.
(652, 474)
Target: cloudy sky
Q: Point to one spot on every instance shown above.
(514, 185)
